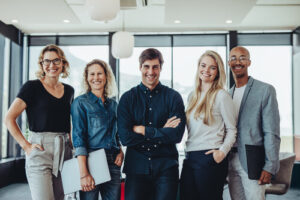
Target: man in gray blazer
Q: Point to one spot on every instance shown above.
(258, 124)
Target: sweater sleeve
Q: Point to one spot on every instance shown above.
(229, 117)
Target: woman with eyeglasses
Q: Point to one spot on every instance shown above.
(211, 124)
(47, 102)
(95, 127)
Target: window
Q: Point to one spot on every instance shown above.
(5, 98)
(273, 65)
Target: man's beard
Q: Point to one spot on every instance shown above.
(240, 75)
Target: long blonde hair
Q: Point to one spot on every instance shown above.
(206, 105)
(110, 89)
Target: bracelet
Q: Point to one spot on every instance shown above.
(84, 176)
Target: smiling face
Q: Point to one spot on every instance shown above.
(239, 61)
(150, 73)
(96, 78)
(52, 64)
(208, 69)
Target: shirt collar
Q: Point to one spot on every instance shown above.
(155, 90)
(94, 98)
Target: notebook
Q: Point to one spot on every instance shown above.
(98, 168)
(255, 160)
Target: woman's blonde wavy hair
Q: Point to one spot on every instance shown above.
(110, 89)
(206, 105)
(51, 47)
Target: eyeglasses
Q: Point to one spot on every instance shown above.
(48, 62)
(242, 59)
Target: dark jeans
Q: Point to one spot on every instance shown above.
(160, 186)
(202, 178)
(110, 190)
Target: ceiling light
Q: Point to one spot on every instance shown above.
(66, 21)
(14, 21)
(228, 21)
(177, 21)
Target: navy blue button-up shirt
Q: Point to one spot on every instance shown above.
(156, 150)
(94, 124)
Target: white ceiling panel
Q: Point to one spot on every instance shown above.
(214, 12)
(46, 16)
(272, 16)
(36, 11)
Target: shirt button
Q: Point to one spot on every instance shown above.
(150, 96)
(150, 123)
(149, 158)
(155, 145)
(150, 108)
(148, 149)
(145, 92)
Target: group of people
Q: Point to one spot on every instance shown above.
(149, 119)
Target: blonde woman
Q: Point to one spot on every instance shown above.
(211, 132)
(47, 102)
(95, 127)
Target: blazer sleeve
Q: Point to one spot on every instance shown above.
(271, 130)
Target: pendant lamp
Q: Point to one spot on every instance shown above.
(103, 10)
(122, 43)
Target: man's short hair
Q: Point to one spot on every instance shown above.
(151, 54)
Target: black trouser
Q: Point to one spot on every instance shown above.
(160, 186)
(202, 178)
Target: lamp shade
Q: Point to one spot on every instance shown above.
(103, 10)
(122, 44)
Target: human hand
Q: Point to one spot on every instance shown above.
(28, 149)
(119, 158)
(172, 122)
(265, 178)
(87, 183)
(139, 129)
(218, 155)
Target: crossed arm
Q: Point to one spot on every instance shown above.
(132, 134)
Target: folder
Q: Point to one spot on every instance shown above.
(255, 160)
(98, 168)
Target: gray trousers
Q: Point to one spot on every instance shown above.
(43, 167)
(240, 186)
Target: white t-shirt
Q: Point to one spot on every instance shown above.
(237, 100)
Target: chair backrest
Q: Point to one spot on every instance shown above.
(284, 174)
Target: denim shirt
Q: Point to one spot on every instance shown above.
(94, 124)
(156, 151)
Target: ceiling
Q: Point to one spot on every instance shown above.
(47, 16)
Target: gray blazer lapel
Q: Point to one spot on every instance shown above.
(247, 90)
